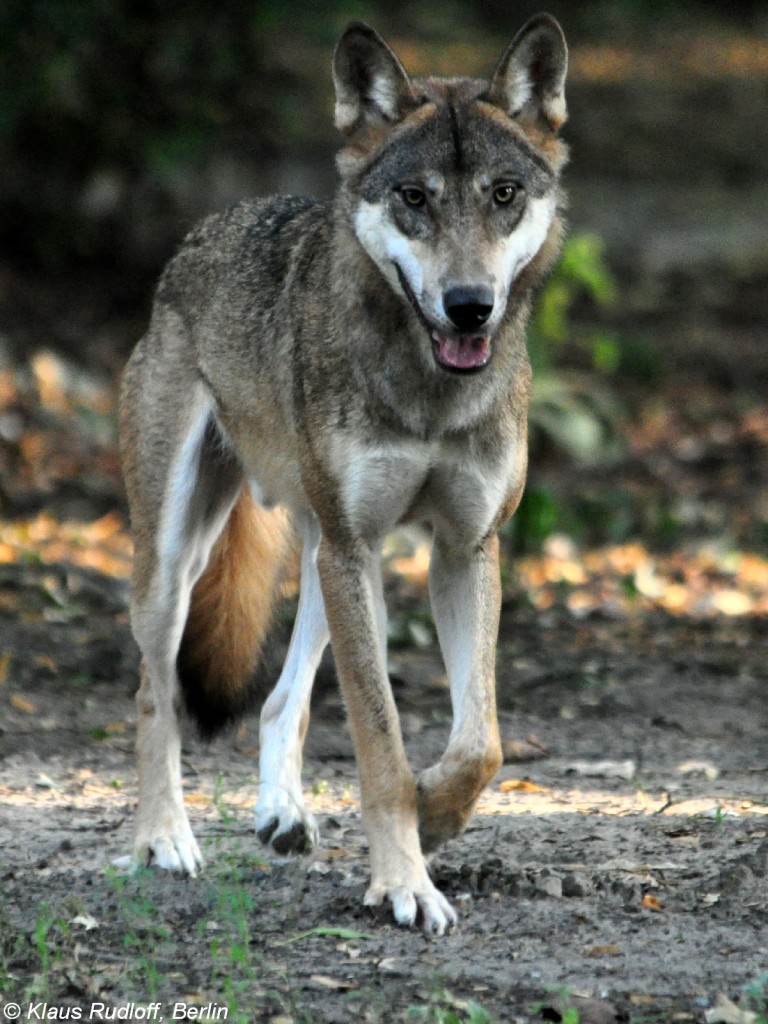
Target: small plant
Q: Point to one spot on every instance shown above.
(236, 969)
(574, 411)
(231, 952)
(565, 1013)
(444, 1008)
(144, 933)
(43, 926)
(756, 997)
(47, 931)
(11, 942)
(582, 271)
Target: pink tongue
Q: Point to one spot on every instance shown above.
(464, 353)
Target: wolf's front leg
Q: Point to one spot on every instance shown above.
(351, 580)
(466, 598)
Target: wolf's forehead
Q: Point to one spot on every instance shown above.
(457, 139)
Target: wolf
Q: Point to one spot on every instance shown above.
(331, 369)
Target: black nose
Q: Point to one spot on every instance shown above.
(468, 308)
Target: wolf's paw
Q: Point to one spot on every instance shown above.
(284, 824)
(436, 914)
(169, 849)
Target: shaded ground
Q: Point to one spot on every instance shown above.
(642, 886)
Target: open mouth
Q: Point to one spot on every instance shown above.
(456, 353)
(463, 353)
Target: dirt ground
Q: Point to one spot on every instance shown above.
(618, 867)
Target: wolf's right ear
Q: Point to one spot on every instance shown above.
(529, 82)
(371, 84)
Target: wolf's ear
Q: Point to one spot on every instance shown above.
(371, 85)
(529, 81)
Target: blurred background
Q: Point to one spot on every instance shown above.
(121, 124)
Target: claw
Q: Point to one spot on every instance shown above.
(404, 906)
(265, 833)
(296, 839)
(295, 836)
(437, 914)
(179, 854)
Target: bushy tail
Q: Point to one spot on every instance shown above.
(230, 614)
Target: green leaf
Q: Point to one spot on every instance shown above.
(337, 933)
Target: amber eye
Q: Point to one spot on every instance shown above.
(413, 196)
(504, 194)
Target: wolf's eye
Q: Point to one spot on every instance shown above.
(504, 194)
(413, 196)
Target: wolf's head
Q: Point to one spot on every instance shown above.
(452, 184)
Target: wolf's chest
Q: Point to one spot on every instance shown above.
(383, 485)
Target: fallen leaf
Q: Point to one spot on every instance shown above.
(595, 1011)
(581, 1009)
(335, 983)
(732, 602)
(600, 951)
(124, 864)
(5, 664)
(116, 728)
(323, 932)
(44, 781)
(726, 1012)
(392, 965)
(22, 704)
(45, 661)
(651, 903)
(521, 786)
(85, 921)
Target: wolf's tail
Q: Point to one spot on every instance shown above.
(230, 614)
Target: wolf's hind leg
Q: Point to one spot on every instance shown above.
(175, 527)
(281, 818)
(466, 596)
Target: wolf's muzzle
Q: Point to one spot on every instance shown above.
(467, 351)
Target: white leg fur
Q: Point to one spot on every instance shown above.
(163, 835)
(162, 832)
(281, 818)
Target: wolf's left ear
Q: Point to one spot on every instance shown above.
(371, 84)
(529, 81)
